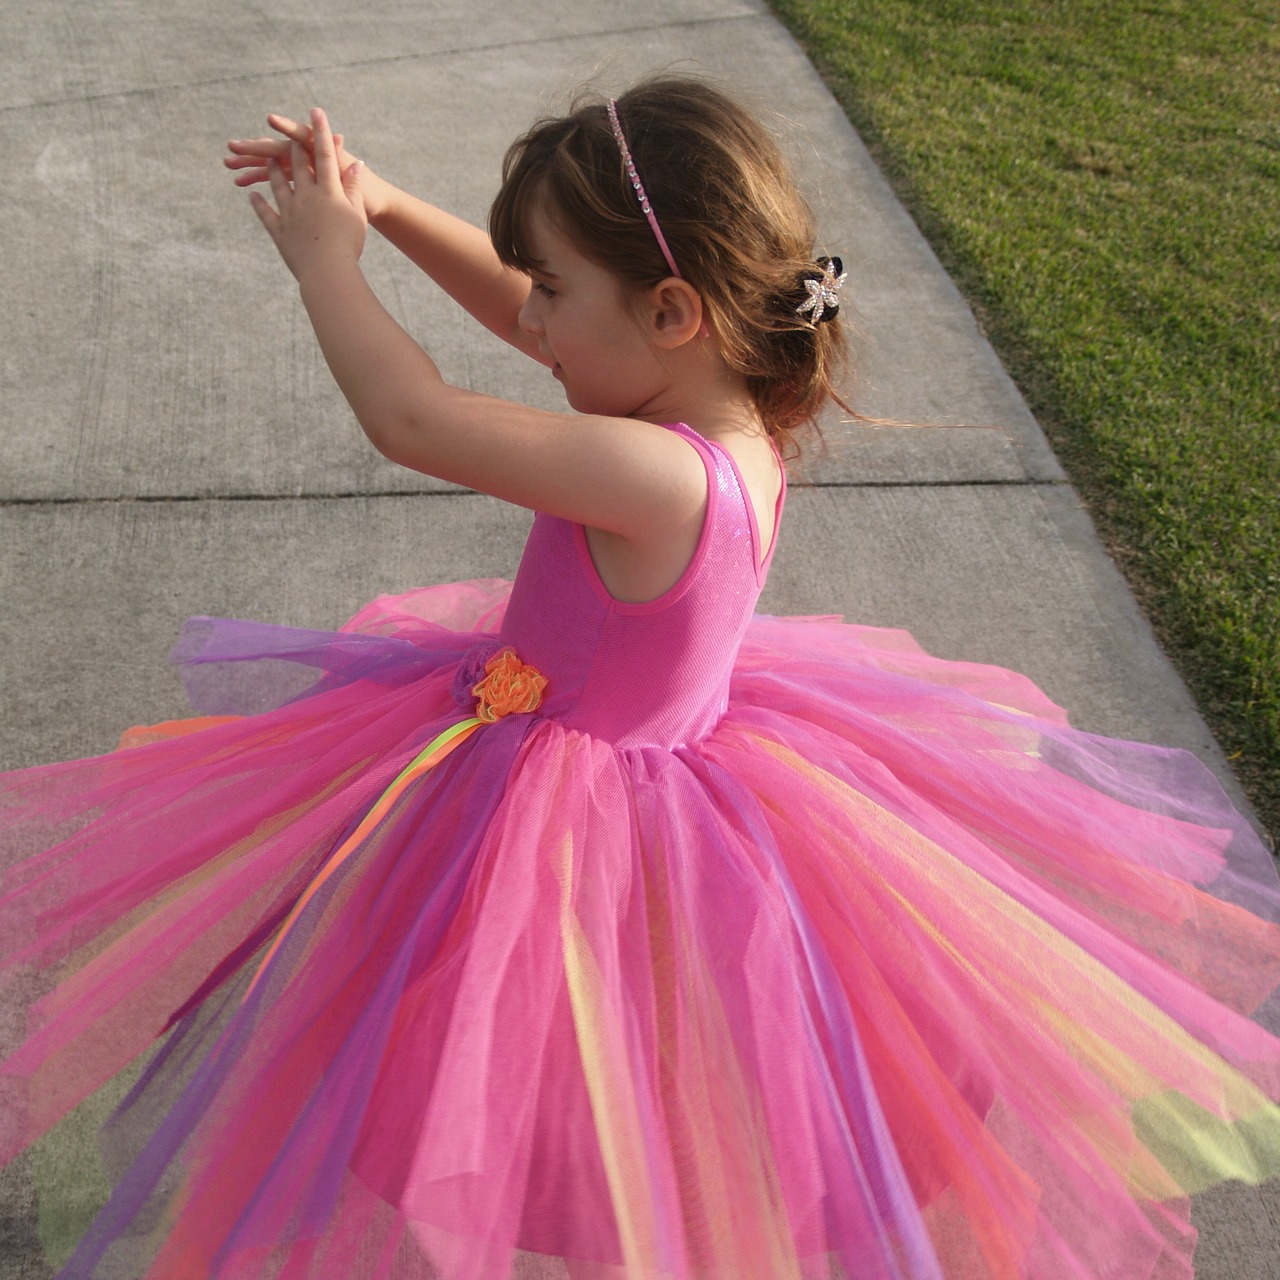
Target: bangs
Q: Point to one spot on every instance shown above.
(570, 170)
(510, 215)
(531, 176)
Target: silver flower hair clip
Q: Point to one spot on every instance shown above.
(823, 301)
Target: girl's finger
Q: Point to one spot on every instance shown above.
(266, 214)
(351, 186)
(276, 146)
(245, 162)
(252, 176)
(279, 183)
(243, 159)
(322, 147)
(300, 161)
(258, 146)
(290, 128)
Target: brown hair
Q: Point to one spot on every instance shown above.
(738, 228)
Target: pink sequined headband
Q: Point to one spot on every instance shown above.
(638, 187)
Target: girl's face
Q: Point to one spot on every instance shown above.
(588, 334)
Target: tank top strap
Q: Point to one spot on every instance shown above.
(729, 498)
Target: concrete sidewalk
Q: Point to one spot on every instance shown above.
(173, 443)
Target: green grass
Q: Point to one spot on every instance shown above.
(1103, 182)
(67, 1170)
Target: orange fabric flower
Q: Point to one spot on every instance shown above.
(509, 687)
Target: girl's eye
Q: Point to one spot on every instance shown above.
(545, 289)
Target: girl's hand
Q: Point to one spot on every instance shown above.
(319, 220)
(250, 156)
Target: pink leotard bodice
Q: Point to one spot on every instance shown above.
(655, 673)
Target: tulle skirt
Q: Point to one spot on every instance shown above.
(894, 975)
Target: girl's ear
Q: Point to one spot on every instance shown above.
(674, 313)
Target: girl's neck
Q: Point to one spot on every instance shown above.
(705, 394)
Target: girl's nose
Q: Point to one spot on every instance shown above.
(528, 318)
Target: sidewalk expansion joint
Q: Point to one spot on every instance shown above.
(359, 495)
(121, 500)
(382, 60)
(1019, 482)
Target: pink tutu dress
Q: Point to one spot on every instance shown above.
(760, 949)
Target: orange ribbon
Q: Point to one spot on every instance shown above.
(509, 687)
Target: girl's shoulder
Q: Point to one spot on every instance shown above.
(758, 466)
(637, 569)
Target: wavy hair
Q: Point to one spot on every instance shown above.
(738, 227)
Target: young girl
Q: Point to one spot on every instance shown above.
(609, 931)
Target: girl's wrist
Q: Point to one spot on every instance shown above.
(324, 271)
(379, 198)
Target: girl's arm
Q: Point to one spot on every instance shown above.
(629, 478)
(456, 255)
(460, 259)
